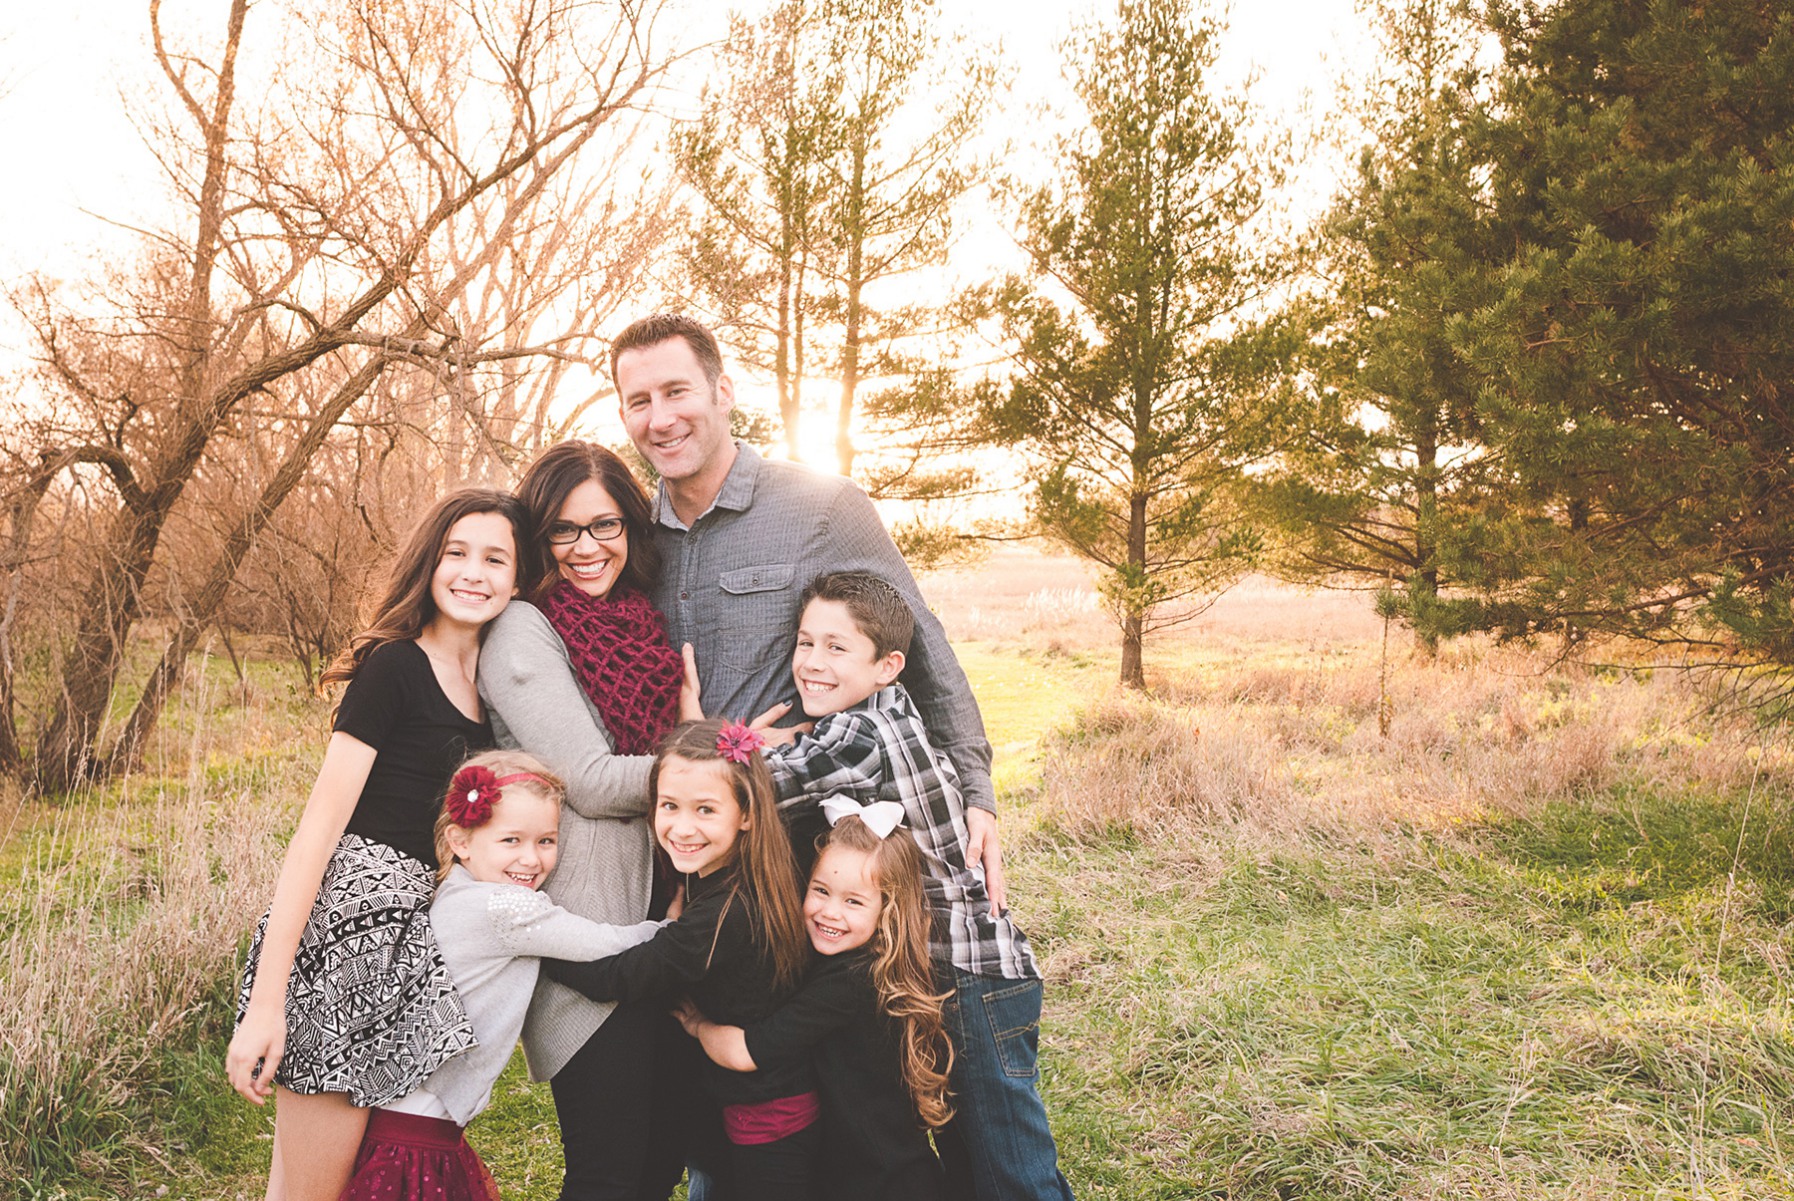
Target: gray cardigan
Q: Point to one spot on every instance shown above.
(492, 937)
(606, 866)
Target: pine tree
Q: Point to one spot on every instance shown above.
(1633, 340)
(1138, 387)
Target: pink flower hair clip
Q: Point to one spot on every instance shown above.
(737, 743)
(471, 795)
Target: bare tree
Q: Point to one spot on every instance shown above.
(333, 226)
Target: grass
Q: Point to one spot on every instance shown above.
(1537, 941)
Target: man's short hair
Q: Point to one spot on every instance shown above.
(656, 328)
(878, 610)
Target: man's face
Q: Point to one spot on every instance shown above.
(676, 418)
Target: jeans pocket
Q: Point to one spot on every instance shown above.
(1014, 1017)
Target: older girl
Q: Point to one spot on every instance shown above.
(346, 1002)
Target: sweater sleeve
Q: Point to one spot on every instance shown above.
(841, 755)
(832, 998)
(526, 679)
(529, 923)
(678, 956)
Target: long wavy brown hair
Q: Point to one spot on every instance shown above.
(901, 972)
(405, 606)
(766, 875)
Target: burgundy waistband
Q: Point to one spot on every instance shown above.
(770, 1121)
(413, 1129)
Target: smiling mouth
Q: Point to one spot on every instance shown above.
(472, 598)
(690, 848)
(817, 686)
(828, 932)
(672, 443)
(589, 571)
(528, 881)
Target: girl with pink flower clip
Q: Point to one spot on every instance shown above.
(346, 1002)
(738, 948)
(496, 840)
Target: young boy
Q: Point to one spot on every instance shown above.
(869, 744)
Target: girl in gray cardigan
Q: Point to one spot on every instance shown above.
(497, 840)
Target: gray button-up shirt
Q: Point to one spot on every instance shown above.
(730, 584)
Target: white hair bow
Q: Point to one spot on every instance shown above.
(881, 817)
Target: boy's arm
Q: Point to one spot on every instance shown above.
(841, 755)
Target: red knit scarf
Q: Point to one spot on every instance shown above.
(618, 645)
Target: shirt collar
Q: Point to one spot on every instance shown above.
(736, 494)
(891, 696)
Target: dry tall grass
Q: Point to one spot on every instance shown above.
(1294, 749)
(124, 914)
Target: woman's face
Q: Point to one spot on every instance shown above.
(589, 562)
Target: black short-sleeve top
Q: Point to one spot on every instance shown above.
(395, 705)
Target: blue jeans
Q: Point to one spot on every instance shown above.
(998, 1147)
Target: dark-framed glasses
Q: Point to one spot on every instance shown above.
(561, 533)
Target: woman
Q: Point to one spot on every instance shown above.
(583, 679)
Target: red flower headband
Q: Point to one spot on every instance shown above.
(475, 790)
(737, 743)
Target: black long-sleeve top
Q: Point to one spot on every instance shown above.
(876, 1145)
(712, 955)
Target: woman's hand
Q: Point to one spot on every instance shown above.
(255, 1051)
(689, 708)
(779, 735)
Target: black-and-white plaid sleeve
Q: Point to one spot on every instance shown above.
(840, 756)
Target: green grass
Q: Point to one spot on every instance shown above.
(1586, 998)
(1573, 1009)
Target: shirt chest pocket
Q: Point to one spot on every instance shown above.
(759, 615)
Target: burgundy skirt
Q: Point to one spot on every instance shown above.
(408, 1157)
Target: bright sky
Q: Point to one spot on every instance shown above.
(78, 171)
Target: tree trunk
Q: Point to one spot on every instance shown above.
(1133, 623)
(165, 680)
(65, 752)
(1426, 517)
(854, 226)
(1133, 664)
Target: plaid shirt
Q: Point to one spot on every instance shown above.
(879, 751)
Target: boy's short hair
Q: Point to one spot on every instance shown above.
(878, 609)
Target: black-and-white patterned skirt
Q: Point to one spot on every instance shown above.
(371, 1010)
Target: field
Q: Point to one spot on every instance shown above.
(1318, 920)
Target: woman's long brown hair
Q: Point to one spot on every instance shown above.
(902, 974)
(405, 606)
(766, 876)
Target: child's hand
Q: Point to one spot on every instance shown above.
(676, 906)
(687, 1015)
(260, 1039)
(689, 708)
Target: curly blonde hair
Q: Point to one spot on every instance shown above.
(902, 974)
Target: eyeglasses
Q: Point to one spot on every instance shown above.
(563, 533)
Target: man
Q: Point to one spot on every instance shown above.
(740, 538)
